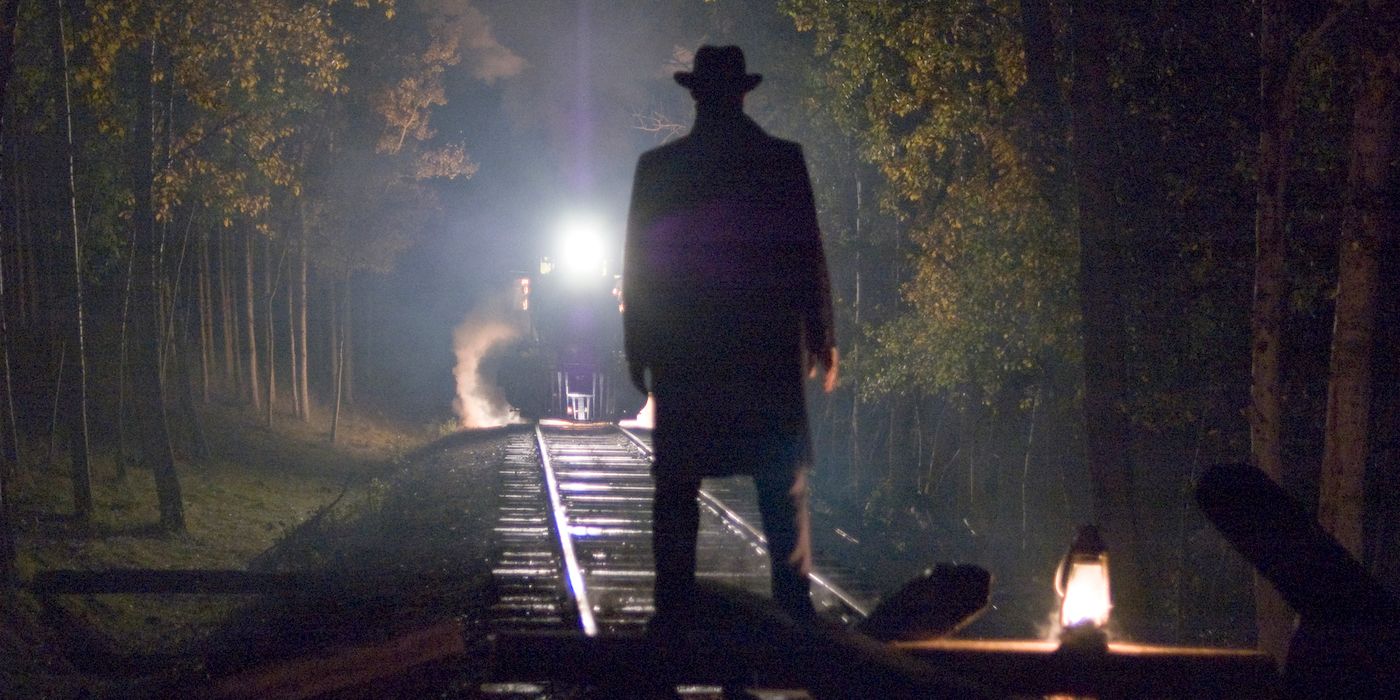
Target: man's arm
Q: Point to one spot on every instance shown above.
(636, 322)
(818, 326)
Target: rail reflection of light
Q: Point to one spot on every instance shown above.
(566, 543)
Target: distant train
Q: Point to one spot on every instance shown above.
(569, 362)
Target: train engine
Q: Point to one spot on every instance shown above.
(569, 363)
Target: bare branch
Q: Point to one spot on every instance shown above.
(658, 123)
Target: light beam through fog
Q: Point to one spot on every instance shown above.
(479, 403)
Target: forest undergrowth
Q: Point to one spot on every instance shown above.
(257, 491)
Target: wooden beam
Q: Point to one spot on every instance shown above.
(309, 677)
(743, 639)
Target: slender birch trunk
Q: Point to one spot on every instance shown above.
(9, 12)
(206, 322)
(292, 346)
(9, 446)
(254, 386)
(347, 341)
(302, 354)
(226, 321)
(332, 337)
(79, 452)
(269, 286)
(338, 358)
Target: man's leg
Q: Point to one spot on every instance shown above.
(675, 524)
(782, 499)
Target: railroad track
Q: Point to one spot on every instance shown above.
(573, 536)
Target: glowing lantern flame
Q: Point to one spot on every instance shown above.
(1082, 582)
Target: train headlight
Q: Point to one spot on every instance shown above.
(582, 251)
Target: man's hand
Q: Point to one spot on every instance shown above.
(638, 372)
(829, 361)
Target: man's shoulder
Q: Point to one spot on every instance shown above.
(784, 144)
(780, 149)
(666, 150)
(688, 146)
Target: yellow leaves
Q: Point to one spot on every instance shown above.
(449, 162)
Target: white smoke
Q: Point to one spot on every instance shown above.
(461, 29)
(479, 403)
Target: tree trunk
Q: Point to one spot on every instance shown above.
(305, 409)
(1048, 130)
(269, 288)
(183, 351)
(347, 340)
(27, 284)
(33, 282)
(76, 403)
(337, 331)
(332, 337)
(124, 363)
(269, 284)
(150, 397)
(9, 432)
(206, 319)
(8, 14)
(335, 411)
(1278, 108)
(1107, 429)
(254, 386)
(292, 344)
(1365, 223)
(231, 371)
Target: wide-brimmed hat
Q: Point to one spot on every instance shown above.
(719, 69)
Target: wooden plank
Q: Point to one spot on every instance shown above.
(742, 639)
(1347, 643)
(343, 668)
(1312, 571)
(1042, 668)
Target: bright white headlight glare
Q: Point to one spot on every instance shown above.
(581, 248)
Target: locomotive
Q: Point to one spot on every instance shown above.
(569, 362)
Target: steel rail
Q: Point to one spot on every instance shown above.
(728, 514)
(573, 573)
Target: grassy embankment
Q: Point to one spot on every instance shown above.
(257, 485)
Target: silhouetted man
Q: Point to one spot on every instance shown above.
(727, 303)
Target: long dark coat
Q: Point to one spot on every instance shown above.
(726, 294)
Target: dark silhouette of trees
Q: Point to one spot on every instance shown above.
(1165, 147)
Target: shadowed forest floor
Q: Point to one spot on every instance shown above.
(390, 518)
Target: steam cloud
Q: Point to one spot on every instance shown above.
(479, 403)
(459, 24)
